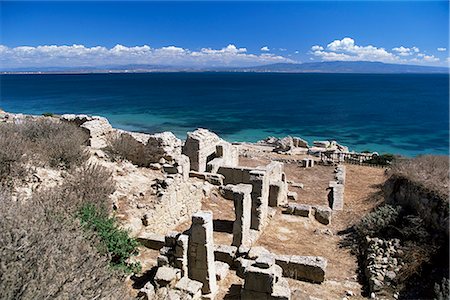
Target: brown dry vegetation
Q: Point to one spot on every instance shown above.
(39, 142)
(429, 171)
(126, 147)
(44, 251)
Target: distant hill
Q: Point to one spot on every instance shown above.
(316, 67)
(346, 67)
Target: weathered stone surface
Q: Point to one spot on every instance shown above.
(277, 193)
(222, 270)
(336, 195)
(147, 292)
(201, 251)
(225, 253)
(302, 210)
(242, 209)
(200, 147)
(98, 129)
(235, 175)
(151, 240)
(284, 145)
(260, 198)
(164, 145)
(215, 179)
(166, 276)
(307, 268)
(299, 142)
(264, 261)
(261, 280)
(241, 266)
(176, 203)
(256, 252)
(281, 290)
(190, 287)
(293, 196)
(323, 214)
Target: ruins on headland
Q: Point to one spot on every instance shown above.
(190, 263)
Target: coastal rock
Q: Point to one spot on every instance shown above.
(98, 129)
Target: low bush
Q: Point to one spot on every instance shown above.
(430, 171)
(44, 255)
(114, 242)
(126, 147)
(12, 154)
(381, 160)
(90, 183)
(374, 223)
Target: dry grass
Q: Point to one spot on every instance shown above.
(41, 142)
(430, 171)
(126, 147)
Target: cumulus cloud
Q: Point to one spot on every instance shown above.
(441, 49)
(82, 56)
(404, 51)
(346, 49)
(265, 48)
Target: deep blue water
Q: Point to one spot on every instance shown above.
(406, 114)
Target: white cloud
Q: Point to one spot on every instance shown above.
(347, 50)
(265, 48)
(404, 51)
(282, 49)
(441, 49)
(297, 52)
(82, 56)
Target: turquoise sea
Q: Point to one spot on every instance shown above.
(403, 113)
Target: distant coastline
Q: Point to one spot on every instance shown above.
(356, 67)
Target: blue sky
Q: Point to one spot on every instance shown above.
(222, 33)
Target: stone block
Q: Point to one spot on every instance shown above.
(222, 270)
(260, 280)
(281, 290)
(225, 253)
(166, 276)
(191, 287)
(200, 147)
(302, 210)
(147, 292)
(256, 252)
(201, 265)
(277, 193)
(171, 239)
(306, 268)
(260, 198)
(322, 214)
(151, 240)
(242, 209)
(241, 265)
(252, 295)
(162, 260)
(264, 261)
(292, 196)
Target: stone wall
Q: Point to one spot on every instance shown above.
(175, 204)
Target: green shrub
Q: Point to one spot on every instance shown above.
(382, 160)
(375, 222)
(114, 241)
(48, 114)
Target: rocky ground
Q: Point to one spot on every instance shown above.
(287, 234)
